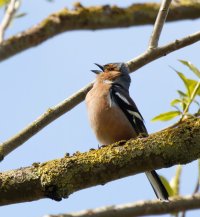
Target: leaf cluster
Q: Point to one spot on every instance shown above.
(182, 104)
(181, 107)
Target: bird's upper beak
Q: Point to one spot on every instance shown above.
(98, 71)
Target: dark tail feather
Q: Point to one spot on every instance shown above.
(157, 185)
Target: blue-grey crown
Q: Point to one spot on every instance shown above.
(125, 79)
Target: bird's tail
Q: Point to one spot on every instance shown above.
(157, 185)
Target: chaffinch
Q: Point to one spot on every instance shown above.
(113, 114)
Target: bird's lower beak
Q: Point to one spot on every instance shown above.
(96, 71)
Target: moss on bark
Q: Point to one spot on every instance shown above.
(93, 18)
(59, 178)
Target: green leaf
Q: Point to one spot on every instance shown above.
(3, 2)
(185, 81)
(184, 98)
(175, 101)
(181, 94)
(196, 102)
(190, 85)
(191, 67)
(166, 116)
(20, 15)
(167, 186)
(182, 102)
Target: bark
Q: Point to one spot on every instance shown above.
(93, 18)
(59, 178)
(55, 112)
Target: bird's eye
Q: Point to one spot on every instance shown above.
(111, 69)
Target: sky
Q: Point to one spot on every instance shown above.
(41, 77)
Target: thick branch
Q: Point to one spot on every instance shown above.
(55, 112)
(143, 208)
(59, 178)
(92, 18)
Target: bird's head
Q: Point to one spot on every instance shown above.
(114, 73)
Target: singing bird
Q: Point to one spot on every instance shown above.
(114, 116)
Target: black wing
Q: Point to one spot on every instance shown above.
(121, 97)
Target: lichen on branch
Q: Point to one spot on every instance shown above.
(93, 18)
(59, 178)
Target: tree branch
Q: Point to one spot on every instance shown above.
(53, 113)
(140, 208)
(92, 18)
(10, 12)
(160, 20)
(59, 178)
(49, 116)
(154, 54)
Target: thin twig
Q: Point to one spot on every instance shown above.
(141, 208)
(49, 116)
(154, 54)
(196, 189)
(9, 13)
(160, 21)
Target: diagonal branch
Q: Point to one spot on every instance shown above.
(42, 121)
(60, 178)
(153, 54)
(140, 208)
(52, 114)
(93, 18)
(160, 21)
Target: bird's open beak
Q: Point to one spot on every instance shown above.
(101, 67)
(98, 71)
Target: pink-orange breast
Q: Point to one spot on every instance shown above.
(108, 122)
